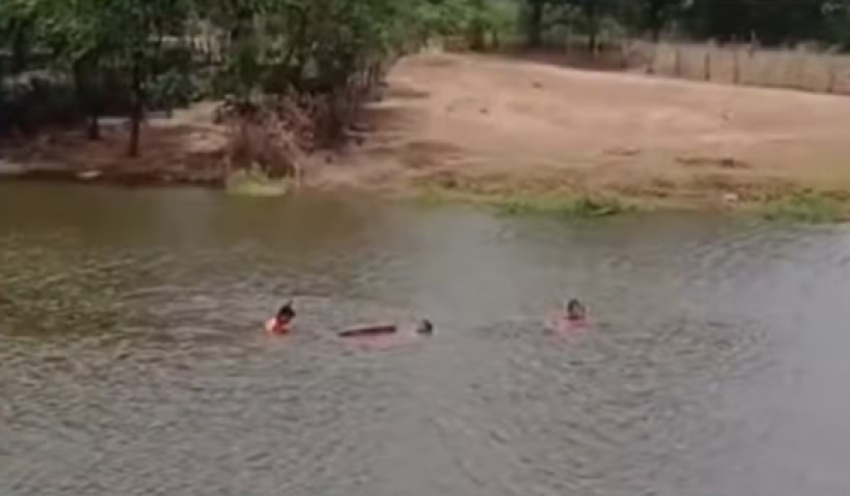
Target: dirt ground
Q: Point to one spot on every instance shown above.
(184, 148)
(489, 125)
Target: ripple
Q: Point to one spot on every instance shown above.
(132, 357)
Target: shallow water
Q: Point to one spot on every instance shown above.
(132, 360)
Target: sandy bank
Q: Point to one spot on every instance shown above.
(485, 126)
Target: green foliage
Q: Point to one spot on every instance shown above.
(771, 22)
(580, 206)
(150, 51)
(254, 182)
(806, 207)
(130, 56)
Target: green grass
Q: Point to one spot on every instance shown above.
(527, 204)
(254, 182)
(567, 206)
(806, 207)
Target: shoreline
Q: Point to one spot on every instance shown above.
(803, 206)
(128, 178)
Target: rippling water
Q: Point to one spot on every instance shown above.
(132, 362)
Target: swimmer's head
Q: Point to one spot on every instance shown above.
(575, 310)
(286, 313)
(425, 327)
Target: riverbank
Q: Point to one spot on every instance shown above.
(535, 136)
(527, 136)
(185, 148)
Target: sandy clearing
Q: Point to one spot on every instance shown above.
(495, 125)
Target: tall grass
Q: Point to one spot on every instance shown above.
(806, 207)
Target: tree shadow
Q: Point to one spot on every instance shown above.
(171, 151)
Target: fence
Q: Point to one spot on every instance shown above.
(800, 68)
(742, 64)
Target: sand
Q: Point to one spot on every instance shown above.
(494, 126)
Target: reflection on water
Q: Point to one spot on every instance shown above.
(132, 362)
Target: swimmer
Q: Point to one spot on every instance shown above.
(425, 328)
(282, 322)
(386, 336)
(575, 311)
(572, 317)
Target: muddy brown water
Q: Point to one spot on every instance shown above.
(132, 361)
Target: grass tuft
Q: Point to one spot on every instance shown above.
(806, 207)
(567, 206)
(254, 182)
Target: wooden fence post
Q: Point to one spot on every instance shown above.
(833, 75)
(653, 55)
(801, 70)
(678, 61)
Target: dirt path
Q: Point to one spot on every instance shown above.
(487, 125)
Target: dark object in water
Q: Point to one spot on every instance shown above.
(281, 323)
(425, 328)
(369, 330)
(576, 311)
(286, 312)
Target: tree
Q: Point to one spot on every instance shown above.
(90, 38)
(18, 23)
(78, 44)
(591, 13)
(535, 22)
(656, 14)
(138, 30)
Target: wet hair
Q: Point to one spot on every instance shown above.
(425, 327)
(286, 311)
(575, 310)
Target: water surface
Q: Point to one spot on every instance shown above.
(132, 362)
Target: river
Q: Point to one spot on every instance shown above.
(132, 360)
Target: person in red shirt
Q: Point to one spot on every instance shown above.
(575, 316)
(576, 311)
(282, 322)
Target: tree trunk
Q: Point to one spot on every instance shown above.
(656, 29)
(476, 37)
(20, 48)
(593, 26)
(136, 110)
(94, 128)
(135, 127)
(535, 23)
(656, 20)
(88, 95)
